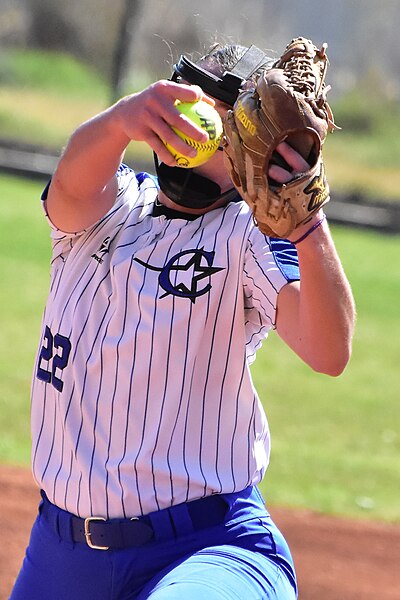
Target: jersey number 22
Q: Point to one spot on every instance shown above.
(55, 351)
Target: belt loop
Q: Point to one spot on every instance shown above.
(181, 519)
(50, 513)
(59, 520)
(65, 528)
(162, 525)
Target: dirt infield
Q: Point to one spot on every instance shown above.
(336, 559)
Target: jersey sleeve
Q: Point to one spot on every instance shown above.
(270, 264)
(62, 241)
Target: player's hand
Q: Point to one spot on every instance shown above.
(150, 115)
(295, 164)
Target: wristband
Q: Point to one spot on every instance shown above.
(312, 228)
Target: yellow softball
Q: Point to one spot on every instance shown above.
(204, 115)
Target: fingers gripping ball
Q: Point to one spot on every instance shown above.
(206, 117)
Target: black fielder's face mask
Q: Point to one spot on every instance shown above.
(184, 186)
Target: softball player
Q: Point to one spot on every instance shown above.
(148, 437)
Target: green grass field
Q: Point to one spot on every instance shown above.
(336, 442)
(24, 260)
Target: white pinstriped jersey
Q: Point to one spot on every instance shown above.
(142, 395)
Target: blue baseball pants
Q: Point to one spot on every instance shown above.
(243, 557)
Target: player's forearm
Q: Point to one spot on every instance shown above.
(327, 310)
(319, 317)
(92, 155)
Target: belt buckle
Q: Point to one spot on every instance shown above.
(88, 535)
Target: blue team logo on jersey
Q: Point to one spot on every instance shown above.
(185, 273)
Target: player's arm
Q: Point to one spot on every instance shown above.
(316, 316)
(84, 186)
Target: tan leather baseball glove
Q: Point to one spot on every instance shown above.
(288, 103)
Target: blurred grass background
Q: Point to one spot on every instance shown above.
(336, 442)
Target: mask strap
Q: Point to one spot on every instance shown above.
(227, 87)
